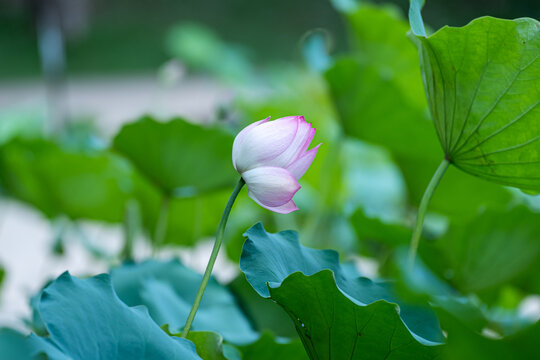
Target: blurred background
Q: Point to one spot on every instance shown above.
(74, 72)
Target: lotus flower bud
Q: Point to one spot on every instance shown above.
(271, 156)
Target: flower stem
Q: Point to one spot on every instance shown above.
(422, 209)
(213, 257)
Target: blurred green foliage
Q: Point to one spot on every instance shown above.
(479, 251)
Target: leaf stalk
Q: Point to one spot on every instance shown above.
(422, 209)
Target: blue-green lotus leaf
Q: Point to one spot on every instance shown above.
(168, 289)
(85, 319)
(13, 345)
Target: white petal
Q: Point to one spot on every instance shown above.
(270, 186)
(300, 143)
(242, 135)
(263, 143)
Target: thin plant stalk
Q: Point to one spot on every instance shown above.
(422, 209)
(213, 257)
(162, 222)
(131, 226)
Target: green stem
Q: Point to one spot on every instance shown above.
(213, 257)
(162, 222)
(422, 209)
(131, 226)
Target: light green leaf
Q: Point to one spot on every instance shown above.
(482, 82)
(201, 49)
(193, 218)
(86, 320)
(182, 159)
(271, 261)
(80, 184)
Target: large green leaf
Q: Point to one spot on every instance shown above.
(334, 326)
(179, 157)
(168, 290)
(274, 261)
(86, 320)
(379, 97)
(92, 184)
(482, 83)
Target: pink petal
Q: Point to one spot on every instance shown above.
(270, 186)
(299, 144)
(242, 135)
(308, 140)
(283, 209)
(299, 167)
(263, 143)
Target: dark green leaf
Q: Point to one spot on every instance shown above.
(462, 343)
(492, 249)
(482, 82)
(368, 228)
(268, 348)
(182, 159)
(265, 314)
(86, 320)
(468, 310)
(334, 326)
